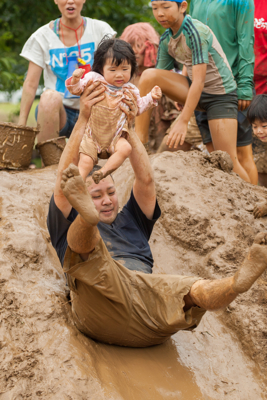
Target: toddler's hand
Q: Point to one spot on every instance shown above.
(156, 93)
(76, 76)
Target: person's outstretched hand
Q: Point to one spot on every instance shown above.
(177, 134)
(129, 107)
(156, 93)
(93, 93)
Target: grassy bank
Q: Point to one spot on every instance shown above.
(10, 113)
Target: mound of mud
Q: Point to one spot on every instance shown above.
(205, 229)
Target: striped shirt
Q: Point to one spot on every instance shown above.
(194, 44)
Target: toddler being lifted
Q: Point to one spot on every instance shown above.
(107, 129)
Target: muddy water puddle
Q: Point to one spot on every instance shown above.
(152, 373)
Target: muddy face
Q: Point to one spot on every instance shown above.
(105, 198)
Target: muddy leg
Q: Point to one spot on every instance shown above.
(260, 210)
(253, 266)
(83, 234)
(173, 85)
(212, 295)
(245, 157)
(122, 150)
(224, 136)
(51, 116)
(86, 164)
(77, 194)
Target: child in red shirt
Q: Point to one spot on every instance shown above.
(260, 48)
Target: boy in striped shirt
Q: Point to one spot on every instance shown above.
(209, 85)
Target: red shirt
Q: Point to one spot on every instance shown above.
(260, 30)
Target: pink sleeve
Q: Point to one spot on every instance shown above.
(79, 87)
(144, 103)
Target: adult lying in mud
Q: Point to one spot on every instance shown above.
(108, 262)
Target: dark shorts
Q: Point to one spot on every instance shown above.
(218, 106)
(244, 133)
(72, 117)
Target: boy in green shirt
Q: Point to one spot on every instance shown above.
(210, 85)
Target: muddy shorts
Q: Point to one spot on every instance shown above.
(114, 305)
(218, 106)
(244, 131)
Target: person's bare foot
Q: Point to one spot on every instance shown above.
(97, 176)
(260, 210)
(73, 187)
(253, 266)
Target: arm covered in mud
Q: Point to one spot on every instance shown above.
(144, 186)
(92, 95)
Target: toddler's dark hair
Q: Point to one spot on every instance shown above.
(258, 109)
(116, 49)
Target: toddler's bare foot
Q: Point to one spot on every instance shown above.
(260, 210)
(253, 266)
(97, 176)
(74, 189)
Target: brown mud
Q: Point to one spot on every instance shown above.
(16, 145)
(206, 228)
(51, 150)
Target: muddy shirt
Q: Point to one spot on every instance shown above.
(194, 44)
(126, 238)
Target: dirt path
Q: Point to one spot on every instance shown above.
(205, 229)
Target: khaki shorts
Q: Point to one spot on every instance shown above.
(115, 305)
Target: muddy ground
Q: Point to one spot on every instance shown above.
(205, 229)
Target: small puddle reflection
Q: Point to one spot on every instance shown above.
(151, 373)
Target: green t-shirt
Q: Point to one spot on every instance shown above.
(194, 44)
(232, 22)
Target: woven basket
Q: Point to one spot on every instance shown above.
(16, 145)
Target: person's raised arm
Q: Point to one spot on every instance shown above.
(91, 96)
(179, 129)
(29, 91)
(144, 186)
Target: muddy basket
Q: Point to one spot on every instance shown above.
(16, 145)
(51, 150)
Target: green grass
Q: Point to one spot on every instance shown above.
(10, 112)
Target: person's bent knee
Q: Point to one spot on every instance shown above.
(126, 149)
(50, 98)
(149, 76)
